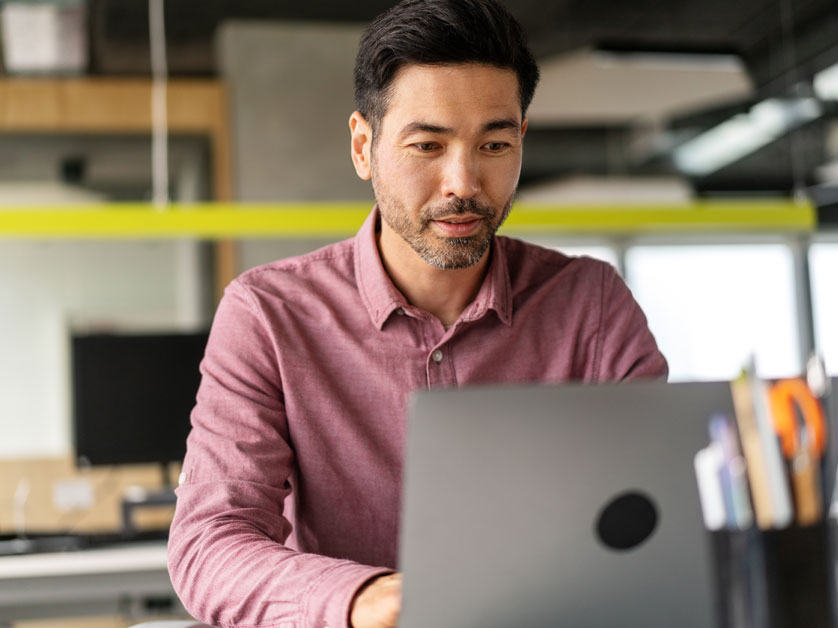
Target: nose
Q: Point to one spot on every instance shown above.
(461, 175)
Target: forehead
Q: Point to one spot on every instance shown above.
(453, 94)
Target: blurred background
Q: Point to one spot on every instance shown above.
(692, 144)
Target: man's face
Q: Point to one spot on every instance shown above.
(446, 161)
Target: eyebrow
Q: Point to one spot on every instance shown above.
(499, 125)
(426, 127)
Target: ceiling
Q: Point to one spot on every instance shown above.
(779, 44)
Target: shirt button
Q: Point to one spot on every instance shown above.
(400, 312)
(436, 356)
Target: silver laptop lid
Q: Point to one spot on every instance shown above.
(507, 494)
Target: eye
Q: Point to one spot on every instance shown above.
(426, 147)
(495, 147)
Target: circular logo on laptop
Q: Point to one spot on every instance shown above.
(626, 521)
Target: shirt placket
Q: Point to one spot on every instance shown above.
(439, 359)
(439, 367)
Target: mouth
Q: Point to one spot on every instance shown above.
(458, 226)
(458, 219)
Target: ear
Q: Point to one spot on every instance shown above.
(524, 127)
(361, 144)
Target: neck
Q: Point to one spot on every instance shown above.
(443, 293)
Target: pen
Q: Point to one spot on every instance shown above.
(733, 473)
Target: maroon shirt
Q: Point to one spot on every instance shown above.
(290, 496)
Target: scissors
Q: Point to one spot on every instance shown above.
(798, 415)
(801, 427)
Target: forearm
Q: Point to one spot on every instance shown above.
(229, 569)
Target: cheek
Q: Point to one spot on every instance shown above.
(506, 172)
(407, 176)
(500, 180)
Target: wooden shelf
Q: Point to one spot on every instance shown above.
(332, 220)
(117, 106)
(113, 106)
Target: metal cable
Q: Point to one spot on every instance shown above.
(159, 120)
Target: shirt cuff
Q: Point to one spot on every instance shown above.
(327, 603)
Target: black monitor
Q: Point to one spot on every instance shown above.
(133, 395)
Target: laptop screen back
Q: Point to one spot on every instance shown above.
(509, 491)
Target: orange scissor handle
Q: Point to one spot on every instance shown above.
(785, 396)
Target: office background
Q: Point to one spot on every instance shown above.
(719, 118)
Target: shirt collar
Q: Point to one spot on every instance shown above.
(379, 295)
(496, 291)
(382, 298)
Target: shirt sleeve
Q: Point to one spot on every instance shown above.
(626, 349)
(227, 558)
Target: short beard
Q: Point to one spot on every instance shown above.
(442, 253)
(453, 253)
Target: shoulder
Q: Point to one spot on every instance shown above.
(530, 263)
(325, 266)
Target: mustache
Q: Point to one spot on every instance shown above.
(459, 206)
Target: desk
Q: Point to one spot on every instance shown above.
(114, 580)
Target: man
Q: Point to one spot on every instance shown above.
(301, 411)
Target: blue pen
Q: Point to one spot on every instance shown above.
(733, 473)
(718, 436)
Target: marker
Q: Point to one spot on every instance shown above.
(708, 462)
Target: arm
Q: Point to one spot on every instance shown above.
(227, 557)
(626, 349)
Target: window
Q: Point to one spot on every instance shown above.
(712, 306)
(823, 265)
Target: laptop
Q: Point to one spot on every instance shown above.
(572, 506)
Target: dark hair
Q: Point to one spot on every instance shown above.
(439, 32)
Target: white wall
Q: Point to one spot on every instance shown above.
(49, 288)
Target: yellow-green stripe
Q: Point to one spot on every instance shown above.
(278, 220)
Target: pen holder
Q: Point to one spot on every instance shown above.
(775, 578)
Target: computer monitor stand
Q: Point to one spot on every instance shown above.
(138, 498)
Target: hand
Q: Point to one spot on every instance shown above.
(378, 603)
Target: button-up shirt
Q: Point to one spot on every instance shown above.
(290, 497)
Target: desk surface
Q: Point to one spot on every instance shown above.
(84, 582)
(148, 556)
